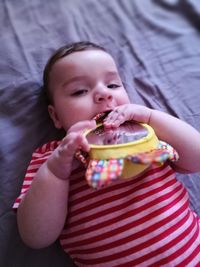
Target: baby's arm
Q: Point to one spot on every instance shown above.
(42, 212)
(183, 137)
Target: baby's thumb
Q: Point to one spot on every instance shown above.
(92, 124)
(82, 126)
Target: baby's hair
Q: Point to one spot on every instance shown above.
(60, 53)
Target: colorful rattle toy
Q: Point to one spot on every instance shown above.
(123, 152)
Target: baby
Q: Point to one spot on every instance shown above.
(141, 221)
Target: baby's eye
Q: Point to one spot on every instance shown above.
(113, 86)
(80, 92)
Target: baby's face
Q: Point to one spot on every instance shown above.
(83, 84)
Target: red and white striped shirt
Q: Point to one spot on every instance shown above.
(143, 221)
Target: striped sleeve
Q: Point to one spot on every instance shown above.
(39, 156)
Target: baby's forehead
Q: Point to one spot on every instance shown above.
(83, 61)
(85, 57)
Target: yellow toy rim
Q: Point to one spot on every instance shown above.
(122, 150)
(145, 139)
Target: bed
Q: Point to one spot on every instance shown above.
(156, 44)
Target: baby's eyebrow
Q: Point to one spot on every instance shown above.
(73, 79)
(112, 73)
(108, 74)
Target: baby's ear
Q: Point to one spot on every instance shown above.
(54, 116)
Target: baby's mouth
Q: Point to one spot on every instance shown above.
(101, 116)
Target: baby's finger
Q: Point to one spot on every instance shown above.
(80, 143)
(71, 143)
(82, 125)
(114, 119)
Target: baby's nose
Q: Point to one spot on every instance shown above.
(103, 95)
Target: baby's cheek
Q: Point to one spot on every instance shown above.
(124, 99)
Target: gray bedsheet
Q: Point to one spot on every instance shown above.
(157, 47)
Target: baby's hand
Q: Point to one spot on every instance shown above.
(127, 112)
(60, 162)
